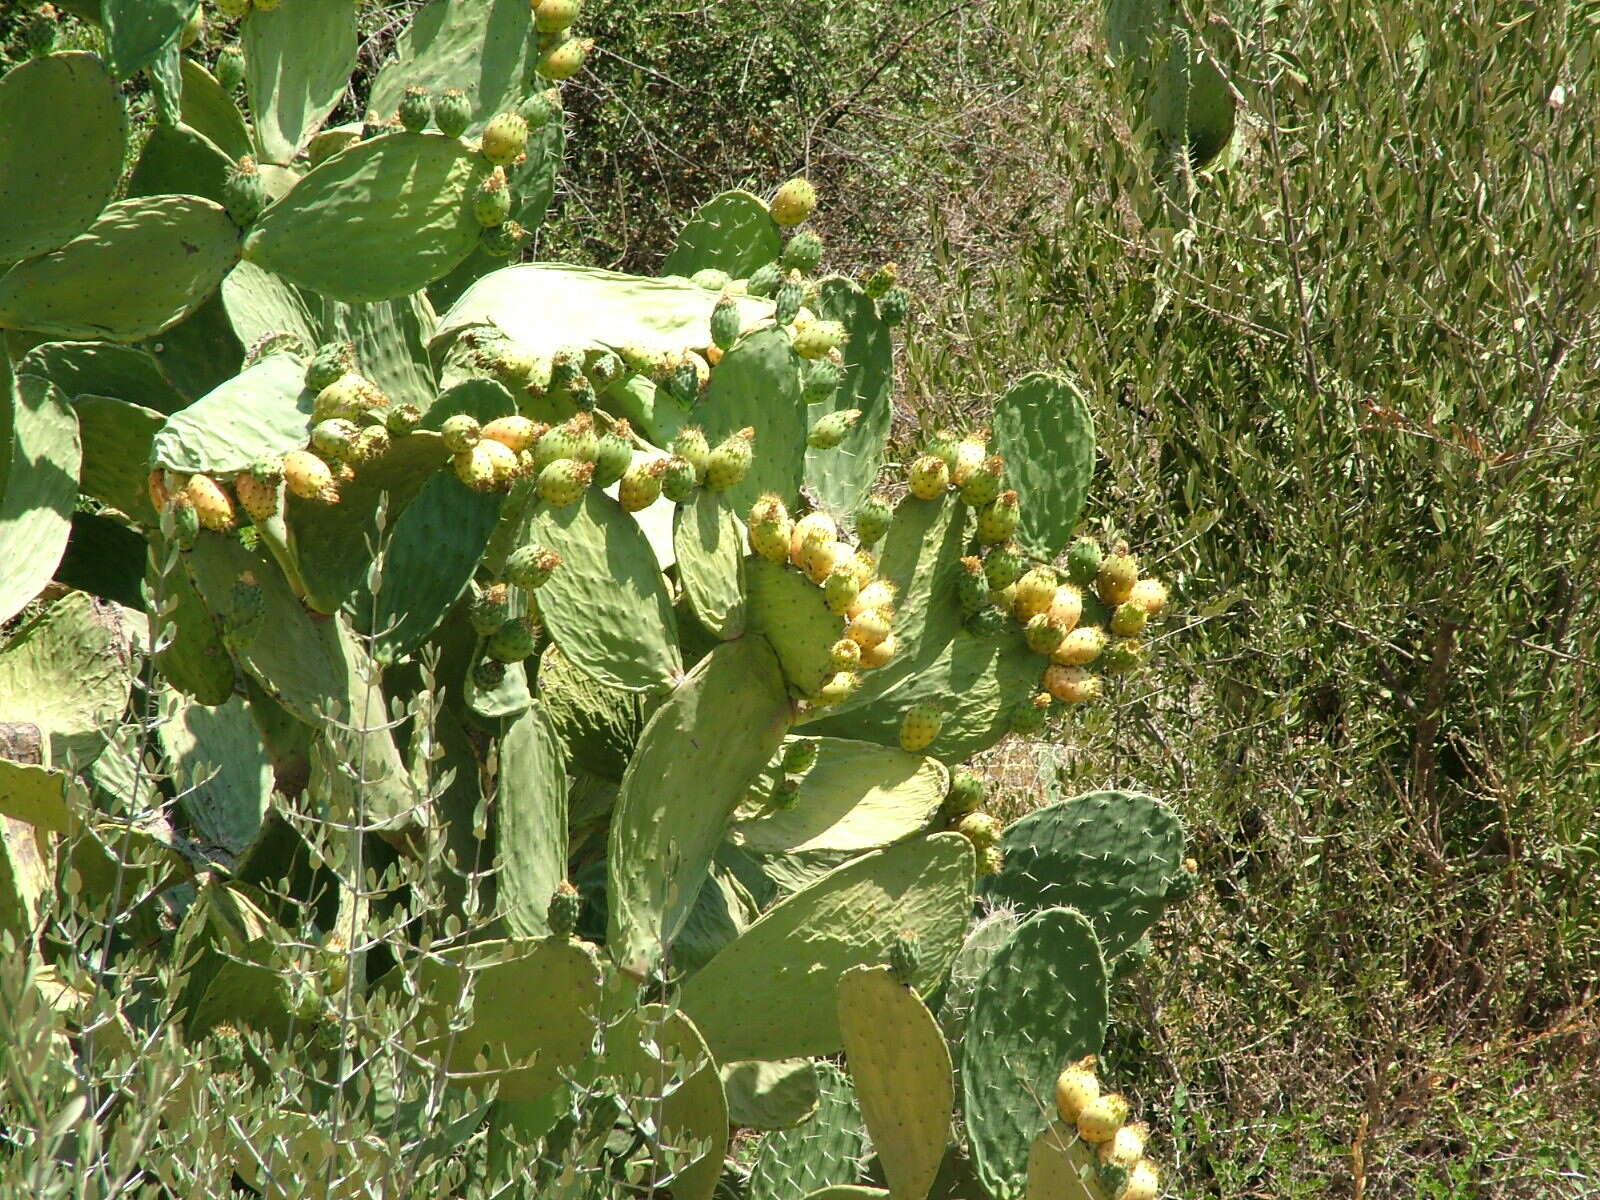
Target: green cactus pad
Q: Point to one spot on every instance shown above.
(531, 833)
(757, 384)
(606, 605)
(211, 112)
(1107, 854)
(262, 413)
(1191, 102)
(1061, 1166)
(323, 235)
(298, 60)
(901, 1068)
(36, 796)
(260, 304)
(771, 1095)
(40, 456)
(709, 541)
(732, 232)
(770, 993)
(789, 611)
(104, 369)
(177, 159)
(843, 476)
(116, 454)
(598, 725)
(61, 135)
(985, 940)
(849, 1191)
(1043, 429)
(856, 797)
(693, 763)
(826, 1151)
(532, 1007)
(142, 266)
(222, 770)
(67, 672)
(139, 30)
(1041, 1004)
(195, 660)
(722, 911)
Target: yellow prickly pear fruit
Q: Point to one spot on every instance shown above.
(1117, 577)
(564, 59)
(979, 828)
(1072, 685)
(770, 539)
(859, 563)
(815, 339)
(929, 477)
(969, 456)
(1042, 633)
(1126, 1146)
(1080, 647)
(817, 557)
(489, 466)
(641, 484)
(812, 525)
(868, 629)
(794, 202)
(1076, 1088)
(879, 593)
(308, 477)
(211, 504)
(1150, 595)
(505, 139)
(552, 16)
(845, 656)
(836, 689)
(1066, 607)
(991, 861)
(839, 591)
(1144, 1182)
(460, 433)
(1122, 656)
(873, 657)
(1129, 619)
(517, 433)
(1036, 591)
(1099, 1120)
(563, 482)
(920, 726)
(982, 485)
(348, 396)
(839, 557)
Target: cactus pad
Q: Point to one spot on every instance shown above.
(842, 477)
(771, 1095)
(532, 823)
(790, 612)
(709, 542)
(298, 59)
(40, 455)
(827, 1151)
(261, 413)
(732, 232)
(1043, 429)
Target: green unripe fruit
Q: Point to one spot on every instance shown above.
(416, 109)
(489, 609)
(725, 323)
(1003, 566)
(334, 438)
(566, 368)
(986, 622)
(929, 477)
(786, 303)
(982, 485)
(794, 202)
(452, 112)
(972, 588)
(1083, 561)
(1042, 634)
(39, 31)
(730, 461)
(845, 655)
(920, 726)
(503, 241)
(682, 383)
(966, 794)
(230, 67)
(833, 428)
(881, 280)
(402, 419)
(613, 456)
(765, 281)
(581, 442)
(1182, 884)
(785, 794)
(769, 529)
(564, 60)
(244, 192)
(816, 339)
(492, 205)
(1128, 619)
(943, 445)
(800, 756)
(713, 279)
(979, 828)
(185, 521)
(690, 445)
(1029, 717)
(679, 480)
(836, 689)
(1100, 1118)
(803, 253)
(641, 484)
(839, 592)
(894, 307)
(539, 109)
(1122, 656)
(460, 433)
(529, 567)
(512, 642)
(873, 519)
(603, 369)
(822, 379)
(1117, 577)
(565, 907)
(999, 519)
(905, 956)
(505, 139)
(562, 482)
(552, 16)
(329, 364)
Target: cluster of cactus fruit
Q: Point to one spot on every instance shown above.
(304, 450)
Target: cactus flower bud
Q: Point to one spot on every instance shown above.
(799, 756)
(244, 192)
(565, 907)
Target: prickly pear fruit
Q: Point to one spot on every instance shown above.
(552, 16)
(972, 589)
(1036, 591)
(920, 726)
(799, 756)
(562, 482)
(505, 138)
(528, 567)
(641, 484)
(730, 461)
(814, 339)
(539, 109)
(1182, 884)
(211, 503)
(487, 467)
(966, 794)
(1126, 1146)
(416, 109)
(329, 364)
(1128, 619)
(334, 438)
(460, 433)
(845, 655)
(970, 455)
(1100, 1118)
(371, 443)
(1144, 1182)
(879, 593)
(512, 642)
(983, 484)
(1122, 656)
(794, 202)
(822, 379)
(1080, 647)
(833, 428)
(1117, 577)
(489, 609)
(819, 557)
(929, 477)
(185, 521)
(873, 657)
(991, 861)
(402, 419)
(682, 382)
(873, 519)
(308, 477)
(943, 445)
(1150, 595)
(452, 112)
(894, 306)
(786, 302)
(504, 241)
(839, 591)
(998, 520)
(713, 279)
(492, 205)
(881, 280)
(785, 794)
(349, 396)
(230, 67)
(565, 906)
(836, 689)
(1083, 562)
(980, 829)
(869, 627)
(564, 59)
(905, 956)
(690, 445)
(258, 499)
(1072, 685)
(725, 322)
(244, 193)
(1029, 717)
(770, 539)
(765, 281)
(1002, 566)
(803, 253)
(613, 455)
(811, 527)
(1066, 607)
(516, 433)
(678, 481)
(1042, 633)
(1077, 1087)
